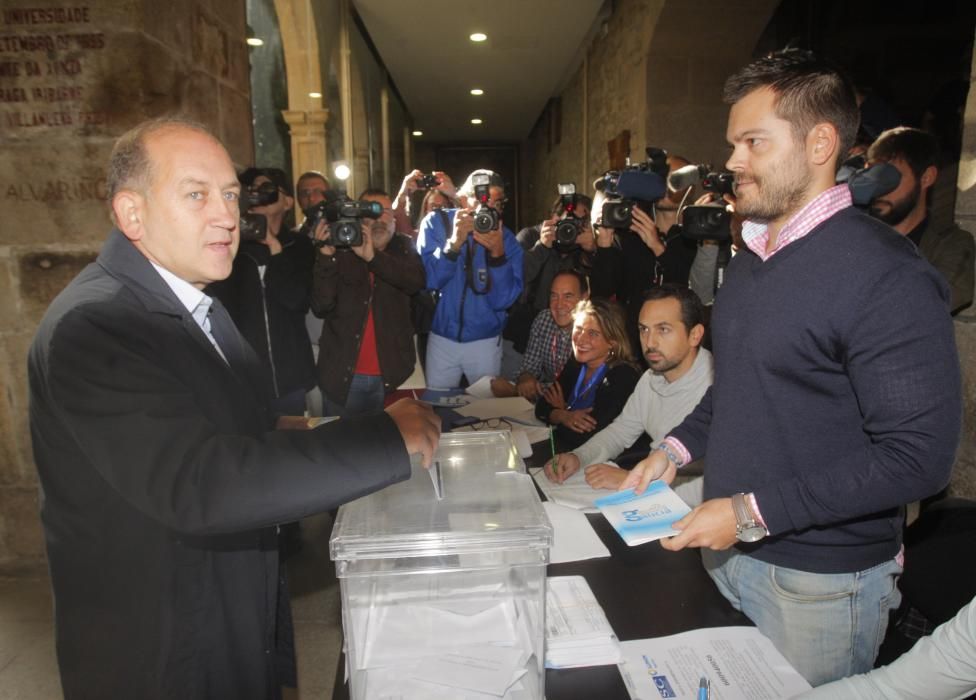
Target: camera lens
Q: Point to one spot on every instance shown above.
(485, 220)
(567, 230)
(618, 214)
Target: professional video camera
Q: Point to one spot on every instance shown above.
(571, 225)
(485, 216)
(867, 182)
(636, 185)
(704, 222)
(344, 216)
(254, 227)
(427, 182)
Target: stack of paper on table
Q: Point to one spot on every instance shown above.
(739, 662)
(644, 518)
(577, 630)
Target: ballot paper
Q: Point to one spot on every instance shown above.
(646, 517)
(572, 493)
(577, 630)
(481, 389)
(739, 662)
(573, 538)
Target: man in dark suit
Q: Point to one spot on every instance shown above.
(162, 475)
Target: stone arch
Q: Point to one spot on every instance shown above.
(306, 116)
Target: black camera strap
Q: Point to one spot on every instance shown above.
(469, 280)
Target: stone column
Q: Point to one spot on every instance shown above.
(74, 75)
(308, 146)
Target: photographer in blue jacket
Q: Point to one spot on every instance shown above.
(474, 263)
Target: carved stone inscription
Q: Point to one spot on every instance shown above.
(42, 68)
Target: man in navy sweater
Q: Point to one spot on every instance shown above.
(837, 393)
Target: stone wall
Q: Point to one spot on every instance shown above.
(655, 70)
(605, 96)
(73, 76)
(964, 475)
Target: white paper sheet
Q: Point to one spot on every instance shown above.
(484, 409)
(740, 663)
(481, 389)
(573, 493)
(573, 537)
(484, 669)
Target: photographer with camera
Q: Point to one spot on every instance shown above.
(311, 188)
(406, 203)
(636, 249)
(475, 263)
(267, 293)
(362, 292)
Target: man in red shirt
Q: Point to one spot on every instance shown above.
(362, 293)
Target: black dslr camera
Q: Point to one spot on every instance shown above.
(570, 226)
(427, 182)
(344, 216)
(485, 216)
(636, 185)
(254, 227)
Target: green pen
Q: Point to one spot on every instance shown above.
(552, 445)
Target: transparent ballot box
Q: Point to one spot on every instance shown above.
(446, 598)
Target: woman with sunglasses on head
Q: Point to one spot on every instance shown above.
(596, 381)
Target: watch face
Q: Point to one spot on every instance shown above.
(753, 533)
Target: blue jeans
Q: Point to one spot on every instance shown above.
(366, 395)
(827, 625)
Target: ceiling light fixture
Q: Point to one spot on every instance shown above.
(418, 133)
(476, 121)
(477, 91)
(315, 95)
(478, 36)
(254, 41)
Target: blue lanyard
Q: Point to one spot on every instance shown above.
(594, 380)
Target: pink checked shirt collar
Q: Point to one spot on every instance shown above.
(818, 210)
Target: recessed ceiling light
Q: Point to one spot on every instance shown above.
(477, 91)
(316, 95)
(254, 41)
(418, 133)
(475, 121)
(478, 36)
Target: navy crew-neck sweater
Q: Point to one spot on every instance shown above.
(837, 394)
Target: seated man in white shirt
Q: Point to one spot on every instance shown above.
(671, 328)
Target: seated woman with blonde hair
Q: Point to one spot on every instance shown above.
(597, 379)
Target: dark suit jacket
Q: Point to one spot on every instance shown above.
(342, 295)
(162, 484)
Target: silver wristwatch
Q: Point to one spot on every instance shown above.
(747, 528)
